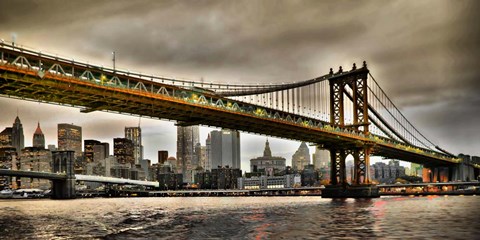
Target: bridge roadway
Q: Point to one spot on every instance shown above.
(94, 88)
(78, 177)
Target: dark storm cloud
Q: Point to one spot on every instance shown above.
(421, 52)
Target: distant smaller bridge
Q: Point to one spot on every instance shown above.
(113, 180)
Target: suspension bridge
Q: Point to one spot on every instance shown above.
(344, 111)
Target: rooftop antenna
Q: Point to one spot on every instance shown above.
(139, 121)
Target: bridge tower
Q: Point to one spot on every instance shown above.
(63, 162)
(352, 85)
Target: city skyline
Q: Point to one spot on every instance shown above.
(288, 146)
(427, 66)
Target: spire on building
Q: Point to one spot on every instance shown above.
(267, 152)
(38, 130)
(38, 138)
(17, 135)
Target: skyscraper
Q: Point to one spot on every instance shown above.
(88, 145)
(301, 157)
(208, 153)
(123, 150)
(38, 138)
(101, 151)
(70, 138)
(187, 139)
(135, 135)
(321, 162)
(200, 156)
(17, 135)
(321, 158)
(225, 148)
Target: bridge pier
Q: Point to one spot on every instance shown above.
(464, 171)
(63, 163)
(361, 186)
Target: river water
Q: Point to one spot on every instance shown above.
(433, 217)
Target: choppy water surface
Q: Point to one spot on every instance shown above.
(242, 218)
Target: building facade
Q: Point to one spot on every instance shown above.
(101, 151)
(267, 164)
(123, 151)
(8, 160)
(208, 153)
(39, 160)
(162, 157)
(18, 141)
(387, 173)
(225, 148)
(270, 182)
(38, 138)
(301, 157)
(135, 135)
(88, 145)
(70, 138)
(6, 137)
(201, 156)
(321, 162)
(187, 139)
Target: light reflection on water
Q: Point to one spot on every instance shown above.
(242, 218)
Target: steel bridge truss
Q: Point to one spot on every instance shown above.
(31, 75)
(357, 81)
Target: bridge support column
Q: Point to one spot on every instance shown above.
(360, 187)
(464, 171)
(63, 163)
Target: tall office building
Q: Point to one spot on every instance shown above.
(88, 145)
(187, 139)
(70, 138)
(208, 153)
(135, 135)
(6, 137)
(225, 148)
(101, 151)
(17, 135)
(123, 150)
(321, 158)
(321, 162)
(301, 158)
(38, 138)
(200, 156)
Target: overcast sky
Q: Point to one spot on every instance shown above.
(425, 54)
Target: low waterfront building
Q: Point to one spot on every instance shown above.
(387, 173)
(270, 182)
(170, 181)
(219, 178)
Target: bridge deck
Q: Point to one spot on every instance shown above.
(87, 87)
(33, 174)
